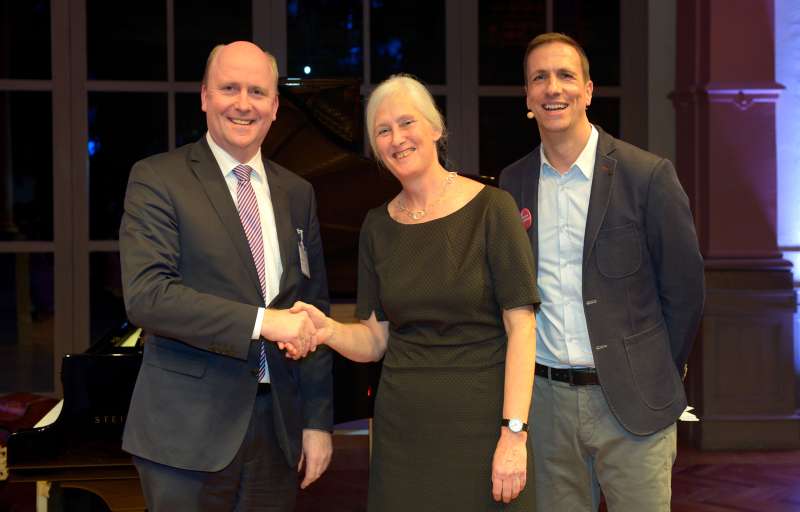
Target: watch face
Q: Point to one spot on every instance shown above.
(515, 425)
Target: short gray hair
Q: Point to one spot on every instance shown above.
(420, 97)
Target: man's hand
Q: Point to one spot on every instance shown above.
(291, 331)
(317, 450)
(324, 325)
(509, 467)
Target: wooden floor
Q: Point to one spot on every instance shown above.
(702, 481)
(741, 481)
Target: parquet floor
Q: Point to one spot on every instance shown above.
(702, 481)
(736, 481)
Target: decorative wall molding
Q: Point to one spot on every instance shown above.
(742, 95)
(739, 371)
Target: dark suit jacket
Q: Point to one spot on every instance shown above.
(190, 281)
(643, 279)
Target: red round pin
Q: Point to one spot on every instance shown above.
(527, 218)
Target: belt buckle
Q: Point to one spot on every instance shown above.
(571, 378)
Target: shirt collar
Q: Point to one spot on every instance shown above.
(227, 163)
(584, 162)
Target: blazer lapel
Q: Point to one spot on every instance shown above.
(530, 200)
(208, 172)
(602, 184)
(287, 236)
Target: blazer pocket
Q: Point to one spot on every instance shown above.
(619, 251)
(175, 360)
(651, 365)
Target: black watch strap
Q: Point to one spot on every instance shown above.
(505, 422)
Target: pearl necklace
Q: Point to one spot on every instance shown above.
(418, 214)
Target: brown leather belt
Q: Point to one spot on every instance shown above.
(264, 388)
(573, 376)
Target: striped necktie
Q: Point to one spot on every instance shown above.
(251, 222)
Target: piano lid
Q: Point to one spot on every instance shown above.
(87, 430)
(319, 135)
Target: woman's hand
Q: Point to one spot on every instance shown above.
(509, 466)
(323, 324)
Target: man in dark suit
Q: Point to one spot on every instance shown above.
(621, 281)
(216, 242)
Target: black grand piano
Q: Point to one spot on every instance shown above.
(318, 135)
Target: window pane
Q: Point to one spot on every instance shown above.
(506, 135)
(26, 322)
(25, 25)
(604, 112)
(406, 39)
(595, 25)
(505, 28)
(441, 104)
(201, 25)
(339, 24)
(123, 128)
(126, 43)
(444, 158)
(106, 309)
(26, 166)
(190, 121)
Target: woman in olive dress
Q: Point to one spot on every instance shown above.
(446, 295)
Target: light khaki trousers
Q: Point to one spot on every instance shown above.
(580, 448)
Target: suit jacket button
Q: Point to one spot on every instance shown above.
(254, 372)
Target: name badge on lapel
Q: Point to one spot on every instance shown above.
(301, 248)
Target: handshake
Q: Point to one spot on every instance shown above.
(298, 330)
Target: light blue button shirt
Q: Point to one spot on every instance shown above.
(562, 339)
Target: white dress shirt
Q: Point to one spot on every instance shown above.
(273, 268)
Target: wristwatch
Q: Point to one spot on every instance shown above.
(514, 425)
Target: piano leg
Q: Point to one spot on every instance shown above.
(119, 494)
(42, 495)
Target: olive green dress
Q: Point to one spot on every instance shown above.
(442, 286)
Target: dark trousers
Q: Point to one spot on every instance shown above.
(258, 478)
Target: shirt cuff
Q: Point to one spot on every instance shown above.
(257, 328)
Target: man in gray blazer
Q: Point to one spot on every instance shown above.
(216, 243)
(621, 280)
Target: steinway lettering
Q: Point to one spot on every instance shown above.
(109, 420)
